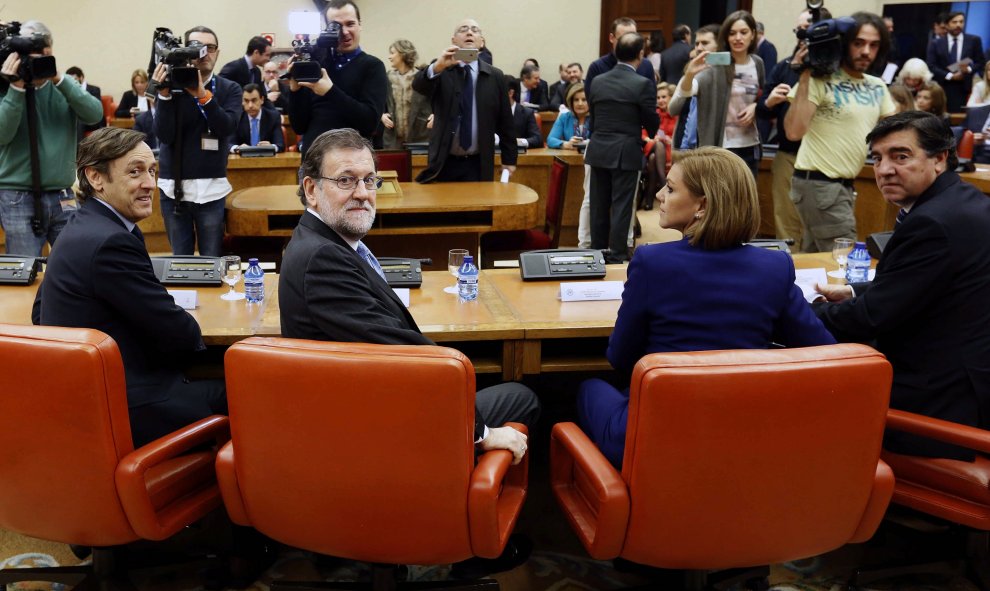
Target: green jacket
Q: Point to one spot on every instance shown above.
(60, 109)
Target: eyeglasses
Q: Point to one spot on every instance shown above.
(211, 48)
(349, 183)
(465, 28)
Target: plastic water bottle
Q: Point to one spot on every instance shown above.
(467, 280)
(858, 264)
(254, 282)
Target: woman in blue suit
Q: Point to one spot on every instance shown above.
(705, 292)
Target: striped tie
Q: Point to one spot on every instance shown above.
(365, 253)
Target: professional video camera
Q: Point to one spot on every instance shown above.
(168, 49)
(306, 69)
(33, 67)
(824, 39)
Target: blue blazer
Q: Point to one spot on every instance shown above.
(682, 298)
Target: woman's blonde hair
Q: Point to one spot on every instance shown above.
(732, 213)
(139, 73)
(572, 92)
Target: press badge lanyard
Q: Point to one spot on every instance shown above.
(213, 89)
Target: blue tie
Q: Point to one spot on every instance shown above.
(901, 214)
(467, 104)
(255, 133)
(955, 47)
(365, 254)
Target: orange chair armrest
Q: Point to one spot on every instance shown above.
(876, 506)
(230, 490)
(495, 497)
(946, 431)
(132, 488)
(590, 491)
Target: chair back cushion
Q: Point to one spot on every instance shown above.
(742, 458)
(555, 200)
(398, 160)
(63, 429)
(354, 450)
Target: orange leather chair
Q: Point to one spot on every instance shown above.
(109, 107)
(496, 245)
(966, 145)
(70, 472)
(364, 452)
(398, 160)
(734, 459)
(951, 490)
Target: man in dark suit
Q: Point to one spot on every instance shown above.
(674, 58)
(532, 91)
(622, 104)
(766, 50)
(246, 70)
(558, 92)
(926, 309)
(331, 287)
(947, 51)
(145, 123)
(470, 105)
(528, 134)
(99, 276)
(259, 125)
(607, 62)
(978, 121)
(77, 73)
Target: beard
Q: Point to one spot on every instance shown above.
(349, 225)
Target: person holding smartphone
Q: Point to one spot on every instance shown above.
(727, 84)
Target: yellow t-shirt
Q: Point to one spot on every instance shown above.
(848, 109)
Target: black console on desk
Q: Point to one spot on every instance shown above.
(188, 270)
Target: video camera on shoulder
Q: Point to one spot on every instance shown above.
(168, 49)
(33, 67)
(824, 39)
(306, 68)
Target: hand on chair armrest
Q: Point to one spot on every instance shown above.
(157, 523)
(496, 495)
(589, 490)
(946, 431)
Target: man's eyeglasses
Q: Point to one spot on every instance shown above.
(465, 28)
(211, 48)
(348, 183)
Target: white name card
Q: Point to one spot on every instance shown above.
(589, 291)
(403, 293)
(184, 298)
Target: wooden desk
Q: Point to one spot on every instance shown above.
(125, 122)
(280, 169)
(425, 221)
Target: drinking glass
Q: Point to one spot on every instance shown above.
(455, 258)
(840, 252)
(231, 275)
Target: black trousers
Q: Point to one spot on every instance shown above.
(612, 194)
(460, 169)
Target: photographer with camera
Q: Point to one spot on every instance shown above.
(40, 110)
(831, 112)
(352, 85)
(194, 125)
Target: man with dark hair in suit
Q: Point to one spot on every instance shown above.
(532, 91)
(470, 105)
(573, 73)
(606, 63)
(528, 134)
(145, 123)
(332, 288)
(944, 55)
(245, 70)
(926, 309)
(99, 276)
(674, 58)
(260, 124)
(978, 121)
(622, 104)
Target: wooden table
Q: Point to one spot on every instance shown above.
(280, 169)
(425, 221)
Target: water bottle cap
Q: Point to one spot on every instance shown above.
(860, 245)
(252, 261)
(468, 259)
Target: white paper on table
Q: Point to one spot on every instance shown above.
(587, 291)
(505, 175)
(403, 293)
(184, 298)
(806, 280)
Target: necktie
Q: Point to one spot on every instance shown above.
(256, 76)
(901, 214)
(467, 105)
(365, 253)
(255, 133)
(137, 232)
(955, 49)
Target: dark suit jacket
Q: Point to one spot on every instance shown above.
(976, 118)
(926, 311)
(623, 103)
(939, 60)
(557, 92)
(768, 53)
(99, 276)
(270, 129)
(491, 97)
(326, 292)
(672, 61)
(127, 102)
(538, 96)
(145, 123)
(238, 71)
(524, 123)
